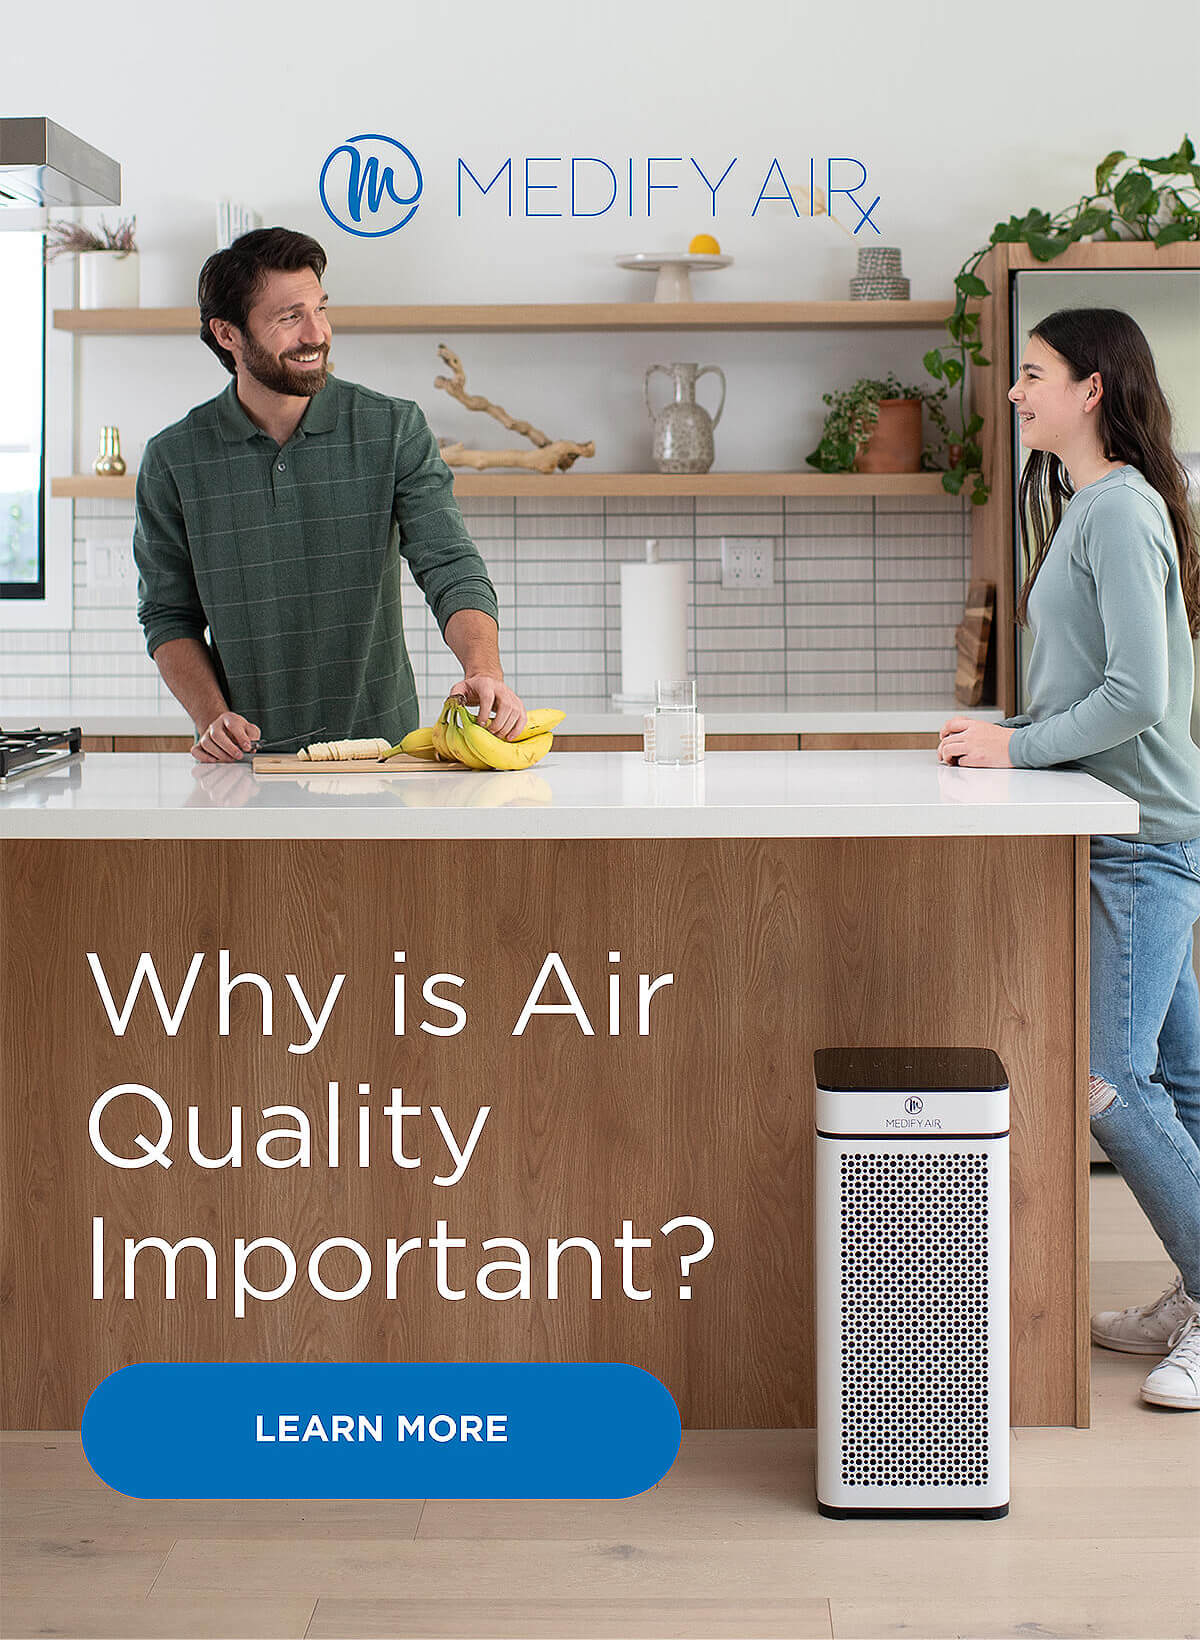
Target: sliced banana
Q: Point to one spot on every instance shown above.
(343, 751)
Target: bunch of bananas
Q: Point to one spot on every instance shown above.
(456, 737)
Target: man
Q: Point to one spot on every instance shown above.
(274, 516)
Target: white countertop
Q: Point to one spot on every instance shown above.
(568, 794)
(766, 715)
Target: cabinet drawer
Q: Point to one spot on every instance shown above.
(152, 743)
(900, 741)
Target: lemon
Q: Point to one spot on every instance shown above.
(704, 245)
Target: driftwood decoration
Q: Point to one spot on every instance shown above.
(547, 456)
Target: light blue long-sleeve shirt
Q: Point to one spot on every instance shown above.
(1111, 669)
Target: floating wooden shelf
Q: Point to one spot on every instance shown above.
(550, 316)
(569, 316)
(733, 484)
(79, 485)
(573, 484)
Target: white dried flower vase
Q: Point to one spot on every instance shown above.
(108, 280)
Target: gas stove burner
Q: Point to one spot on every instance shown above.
(24, 750)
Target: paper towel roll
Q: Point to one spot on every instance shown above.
(654, 626)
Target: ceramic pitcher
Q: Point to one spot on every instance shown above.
(683, 429)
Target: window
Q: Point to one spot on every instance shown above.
(22, 416)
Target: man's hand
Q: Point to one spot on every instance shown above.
(500, 709)
(972, 744)
(225, 739)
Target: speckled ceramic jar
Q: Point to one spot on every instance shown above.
(879, 277)
(683, 429)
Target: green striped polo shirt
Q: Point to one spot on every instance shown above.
(289, 556)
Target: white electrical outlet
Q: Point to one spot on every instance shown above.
(747, 562)
(110, 562)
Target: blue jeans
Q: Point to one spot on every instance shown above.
(1145, 1033)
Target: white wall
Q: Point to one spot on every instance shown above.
(225, 98)
(231, 100)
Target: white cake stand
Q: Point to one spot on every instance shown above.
(673, 269)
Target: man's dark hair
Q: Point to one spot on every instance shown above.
(232, 278)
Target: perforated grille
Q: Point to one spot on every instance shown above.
(914, 1321)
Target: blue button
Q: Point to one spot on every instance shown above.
(381, 1430)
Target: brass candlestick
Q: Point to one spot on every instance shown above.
(110, 463)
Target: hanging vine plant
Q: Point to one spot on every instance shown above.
(1155, 200)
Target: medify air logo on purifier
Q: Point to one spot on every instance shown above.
(913, 1107)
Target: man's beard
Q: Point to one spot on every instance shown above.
(278, 374)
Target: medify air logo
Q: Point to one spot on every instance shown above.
(371, 185)
(913, 1105)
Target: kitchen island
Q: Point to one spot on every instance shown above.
(629, 967)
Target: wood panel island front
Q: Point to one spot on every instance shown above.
(577, 1005)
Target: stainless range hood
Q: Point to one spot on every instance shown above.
(43, 164)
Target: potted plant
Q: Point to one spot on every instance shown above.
(1155, 200)
(108, 261)
(875, 427)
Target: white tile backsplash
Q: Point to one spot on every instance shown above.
(616, 505)
(867, 594)
(744, 504)
(801, 612)
(823, 569)
(808, 505)
(804, 638)
(824, 590)
(635, 529)
(473, 504)
(56, 665)
(739, 524)
(743, 640)
(557, 526)
(922, 523)
(567, 506)
(30, 643)
(932, 591)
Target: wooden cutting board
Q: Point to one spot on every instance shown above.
(289, 763)
(971, 641)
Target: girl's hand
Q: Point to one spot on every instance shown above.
(974, 745)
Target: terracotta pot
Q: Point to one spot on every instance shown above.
(895, 445)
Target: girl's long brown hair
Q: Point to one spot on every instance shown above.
(1134, 426)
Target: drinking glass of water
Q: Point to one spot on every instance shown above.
(676, 725)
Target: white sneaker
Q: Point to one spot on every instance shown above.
(1175, 1382)
(1145, 1330)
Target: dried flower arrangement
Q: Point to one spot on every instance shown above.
(69, 238)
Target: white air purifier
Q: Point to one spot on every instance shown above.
(912, 1232)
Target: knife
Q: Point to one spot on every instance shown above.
(286, 744)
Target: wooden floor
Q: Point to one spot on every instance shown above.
(1103, 1538)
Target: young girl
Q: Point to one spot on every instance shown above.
(1112, 598)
